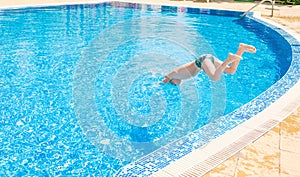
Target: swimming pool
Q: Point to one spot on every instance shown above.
(78, 100)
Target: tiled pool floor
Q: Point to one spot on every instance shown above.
(277, 153)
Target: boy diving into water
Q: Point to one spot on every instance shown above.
(211, 65)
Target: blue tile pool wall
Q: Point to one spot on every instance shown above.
(165, 8)
(162, 157)
(150, 7)
(270, 34)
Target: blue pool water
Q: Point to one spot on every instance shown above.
(80, 89)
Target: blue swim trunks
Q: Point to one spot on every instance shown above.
(199, 60)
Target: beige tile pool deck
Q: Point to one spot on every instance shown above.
(276, 153)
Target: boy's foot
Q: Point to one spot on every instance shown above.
(247, 48)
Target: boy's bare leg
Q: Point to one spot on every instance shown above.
(215, 73)
(242, 48)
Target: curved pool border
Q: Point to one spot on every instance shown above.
(198, 152)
